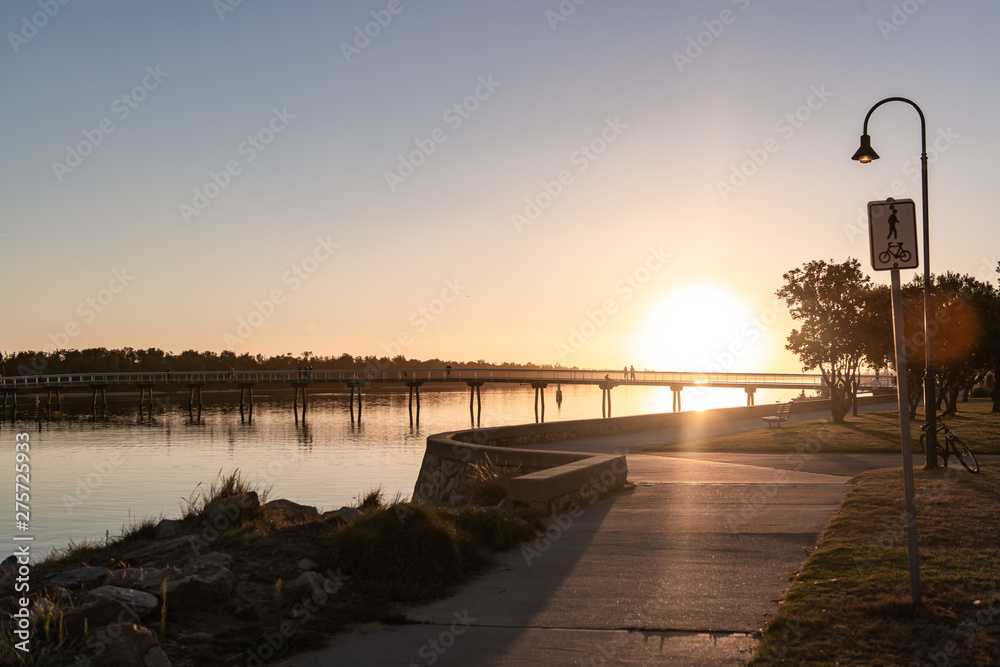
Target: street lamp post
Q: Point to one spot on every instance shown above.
(864, 155)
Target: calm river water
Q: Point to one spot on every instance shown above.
(92, 476)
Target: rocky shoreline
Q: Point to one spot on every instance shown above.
(175, 590)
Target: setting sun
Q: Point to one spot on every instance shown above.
(698, 327)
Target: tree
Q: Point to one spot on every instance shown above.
(964, 326)
(840, 325)
(992, 335)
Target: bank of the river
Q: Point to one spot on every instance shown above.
(238, 579)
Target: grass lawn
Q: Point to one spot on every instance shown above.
(850, 604)
(875, 432)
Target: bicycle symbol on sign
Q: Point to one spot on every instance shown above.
(900, 254)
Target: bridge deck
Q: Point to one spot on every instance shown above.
(405, 376)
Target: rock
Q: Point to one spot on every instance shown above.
(9, 604)
(225, 513)
(129, 645)
(163, 548)
(306, 564)
(292, 510)
(349, 513)
(456, 500)
(139, 602)
(215, 558)
(155, 657)
(305, 585)
(100, 612)
(167, 528)
(147, 578)
(80, 577)
(197, 591)
(8, 562)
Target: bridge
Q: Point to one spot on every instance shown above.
(356, 379)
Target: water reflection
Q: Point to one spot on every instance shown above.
(320, 452)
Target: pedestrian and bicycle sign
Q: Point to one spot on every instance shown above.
(892, 230)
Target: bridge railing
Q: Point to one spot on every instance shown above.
(234, 377)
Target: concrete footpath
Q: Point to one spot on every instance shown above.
(686, 568)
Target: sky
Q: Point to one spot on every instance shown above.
(585, 182)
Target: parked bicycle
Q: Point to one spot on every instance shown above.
(951, 442)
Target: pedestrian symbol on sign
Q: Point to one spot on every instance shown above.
(893, 221)
(892, 228)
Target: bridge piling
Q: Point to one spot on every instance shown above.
(750, 395)
(539, 388)
(104, 395)
(246, 395)
(606, 388)
(475, 397)
(194, 387)
(414, 387)
(677, 389)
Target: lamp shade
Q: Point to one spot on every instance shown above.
(865, 153)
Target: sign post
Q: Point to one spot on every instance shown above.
(892, 230)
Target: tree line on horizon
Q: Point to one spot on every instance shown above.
(131, 360)
(846, 324)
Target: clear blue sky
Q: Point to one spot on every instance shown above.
(250, 193)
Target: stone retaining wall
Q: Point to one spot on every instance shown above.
(556, 478)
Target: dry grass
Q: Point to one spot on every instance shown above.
(223, 486)
(394, 552)
(851, 602)
(487, 482)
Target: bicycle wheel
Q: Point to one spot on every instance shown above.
(923, 442)
(884, 256)
(904, 255)
(963, 454)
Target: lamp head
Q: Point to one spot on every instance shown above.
(865, 152)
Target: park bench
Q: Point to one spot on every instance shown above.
(784, 410)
